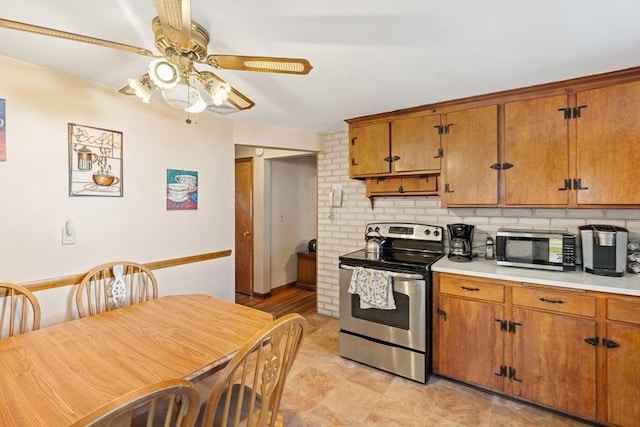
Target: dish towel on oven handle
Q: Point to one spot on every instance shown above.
(374, 288)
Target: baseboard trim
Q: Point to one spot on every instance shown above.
(274, 291)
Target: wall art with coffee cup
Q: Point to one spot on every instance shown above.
(95, 161)
(182, 189)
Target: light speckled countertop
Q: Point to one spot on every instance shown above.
(629, 284)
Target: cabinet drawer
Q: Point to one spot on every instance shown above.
(623, 310)
(562, 302)
(461, 286)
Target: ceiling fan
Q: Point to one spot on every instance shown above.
(182, 44)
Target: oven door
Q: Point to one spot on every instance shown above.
(404, 326)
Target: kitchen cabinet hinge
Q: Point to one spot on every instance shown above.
(442, 313)
(512, 375)
(439, 129)
(576, 111)
(439, 154)
(503, 325)
(446, 127)
(609, 344)
(353, 161)
(502, 372)
(566, 111)
(567, 185)
(592, 340)
(577, 185)
(512, 327)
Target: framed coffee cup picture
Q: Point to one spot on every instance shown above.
(95, 161)
(182, 189)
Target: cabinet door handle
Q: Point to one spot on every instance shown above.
(439, 154)
(551, 301)
(567, 112)
(469, 289)
(353, 161)
(609, 344)
(446, 189)
(592, 340)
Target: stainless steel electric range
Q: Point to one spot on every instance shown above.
(396, 340)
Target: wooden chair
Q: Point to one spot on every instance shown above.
(19, 308)
(166, 403)
(248, 390)
(113, 285)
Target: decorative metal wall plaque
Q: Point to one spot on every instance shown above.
(95, 161)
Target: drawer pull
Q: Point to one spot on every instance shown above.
(609, 344)
(469, 289)
(593, 341)
(551, 301)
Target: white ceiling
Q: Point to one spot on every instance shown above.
(369, 56)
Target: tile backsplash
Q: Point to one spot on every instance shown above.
(341, 229)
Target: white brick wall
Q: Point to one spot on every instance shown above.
(341, 229)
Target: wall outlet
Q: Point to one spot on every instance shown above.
(69, 233)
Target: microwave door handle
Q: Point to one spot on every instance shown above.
(393, 274)
(501, 247)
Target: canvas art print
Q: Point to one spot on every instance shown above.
(95, 161)
(182, 189)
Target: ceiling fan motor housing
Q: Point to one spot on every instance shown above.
(198, 45)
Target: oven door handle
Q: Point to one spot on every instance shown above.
(393, 274)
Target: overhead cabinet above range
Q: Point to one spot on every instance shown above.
(567, 144)
(401, 146)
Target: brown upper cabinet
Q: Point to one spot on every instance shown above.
(403, 146)
(470, 147)
(573, 150)
(565, 144)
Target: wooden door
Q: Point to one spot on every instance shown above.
(553, 365)
(469, 342)
(368, 148)
(470, 148)
(244, 225)
(536, 143)
(623, 375)
(608, 152)
(415, 142)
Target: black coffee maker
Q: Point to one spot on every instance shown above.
(460, 238)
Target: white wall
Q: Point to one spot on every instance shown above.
(262, 202)
(34, 201)
(341, 230)
(293, 214)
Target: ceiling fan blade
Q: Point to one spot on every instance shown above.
(236, 99)
(14, 25)
(175, 17)
(266, 64)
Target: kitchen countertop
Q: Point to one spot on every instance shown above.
(629, 284)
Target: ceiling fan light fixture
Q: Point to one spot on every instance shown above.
(164, 74)
(221, 93)
(182, 96)
(143, 87)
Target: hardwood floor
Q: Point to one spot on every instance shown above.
(289, 300)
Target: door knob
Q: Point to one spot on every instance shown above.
(246, 233)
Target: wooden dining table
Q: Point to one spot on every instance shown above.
(56, 375)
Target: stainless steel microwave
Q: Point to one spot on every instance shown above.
(545, 250)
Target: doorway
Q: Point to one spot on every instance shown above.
(244, 225)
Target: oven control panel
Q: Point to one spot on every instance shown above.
(405, 231)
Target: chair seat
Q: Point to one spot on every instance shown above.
(236, 391)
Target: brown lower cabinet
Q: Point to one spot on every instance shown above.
(570, 350)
